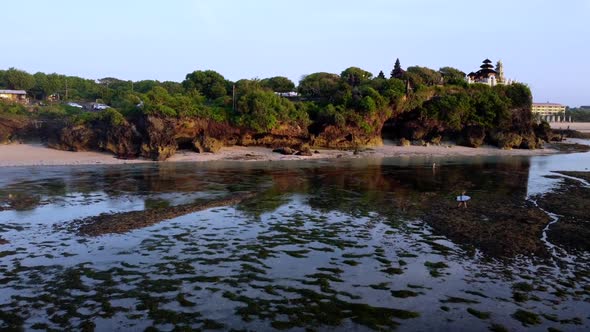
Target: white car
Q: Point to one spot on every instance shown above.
(100, 107)
(75, 105)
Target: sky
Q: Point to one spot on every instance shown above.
(543, 43)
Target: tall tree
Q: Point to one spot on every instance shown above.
(397, 71)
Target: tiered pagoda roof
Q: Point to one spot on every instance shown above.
(487, 69)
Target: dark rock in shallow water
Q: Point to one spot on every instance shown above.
(285, 151)
(570, 147)
(305, 153)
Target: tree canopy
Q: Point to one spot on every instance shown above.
(278, 84)
(452, 75)
(18, 79)
(209, 83)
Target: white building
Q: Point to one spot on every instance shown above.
(488, 75)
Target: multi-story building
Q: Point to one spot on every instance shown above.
(544, 109)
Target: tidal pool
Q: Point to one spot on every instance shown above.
(323, 245)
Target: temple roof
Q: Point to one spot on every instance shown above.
(487, 61)
(486, 71)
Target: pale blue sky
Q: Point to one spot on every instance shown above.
(545, 43)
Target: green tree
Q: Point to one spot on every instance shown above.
(18, 79)
(452, 75)
(278, 84)
(158, 102)
(397, 71)
(3, 83)
(325, 88)
(209, 83)
(172, 87)
(381, 75)
(145, 85)
(263, 110)
(46, 85)
(426, 76)
(355, 76)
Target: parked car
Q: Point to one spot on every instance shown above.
(75, 105)
(100, 107)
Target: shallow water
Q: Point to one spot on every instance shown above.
(328, 245)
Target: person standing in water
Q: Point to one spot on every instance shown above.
(462, 199)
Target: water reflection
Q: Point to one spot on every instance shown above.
(348, 244)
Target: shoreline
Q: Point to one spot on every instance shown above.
(25, 154)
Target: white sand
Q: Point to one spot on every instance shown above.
(38, 155)
(579, 126)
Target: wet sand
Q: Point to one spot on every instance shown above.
(39, 155)
(579, 126)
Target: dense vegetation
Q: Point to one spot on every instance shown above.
(354, 98)
(579, 114)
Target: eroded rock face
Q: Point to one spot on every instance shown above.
(206, 144)
(75, 138)
(506, 140)
(347, 137)
(123, 140)
(158, 138)
(473, 136)
(514, 131)
(404, 142)
(158, 142)
(13, 128)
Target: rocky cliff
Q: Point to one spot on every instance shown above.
(14, 128)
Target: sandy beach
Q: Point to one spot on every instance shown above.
(579, 126)
(39, 155)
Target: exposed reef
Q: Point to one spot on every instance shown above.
(127, 221)
(570, 201)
